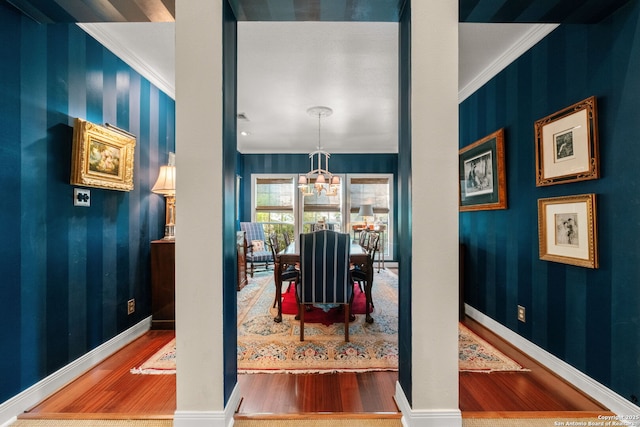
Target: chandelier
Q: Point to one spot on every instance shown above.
(323, 180)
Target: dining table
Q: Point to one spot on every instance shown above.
(290, 256)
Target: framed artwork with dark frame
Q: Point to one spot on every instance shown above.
(481, 168)
(567, 145)
(102, 157)
(567, 230)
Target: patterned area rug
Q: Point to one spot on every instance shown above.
(477, 355)
(324, 315)
(162, 362)
(268, 347)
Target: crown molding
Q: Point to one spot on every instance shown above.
(526, 42)
(129, 57)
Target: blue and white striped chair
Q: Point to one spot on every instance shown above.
(324, 273)
(258, 250)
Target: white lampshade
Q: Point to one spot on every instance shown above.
(166, 182)
(166, 185)
(365, 210)
(335, 180)
(320, 179)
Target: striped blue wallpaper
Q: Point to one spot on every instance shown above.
(67, 271)
(230, 160)
(403, 214)
(588, 318)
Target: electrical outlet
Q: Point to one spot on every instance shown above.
(81, 197)
(522, 314)
(131, 306)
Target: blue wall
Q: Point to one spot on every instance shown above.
(588, 318)
(299, 164)
(230, 159)
(67, 272)
(404, 217)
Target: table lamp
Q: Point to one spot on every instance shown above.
(166, 185)
(365, 212)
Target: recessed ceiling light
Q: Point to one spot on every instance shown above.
(245, 133)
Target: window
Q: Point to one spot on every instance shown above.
(278, 204)
(321, 207)
(273, 204)
(375, 190)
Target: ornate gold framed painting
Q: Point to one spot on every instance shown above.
(483, 183)
(102, 157)
(567, 145)
(567, 230)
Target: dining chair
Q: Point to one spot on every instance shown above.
(358, 273)
(289, 273)
(364, 239)
(257, 250)
(324, 273)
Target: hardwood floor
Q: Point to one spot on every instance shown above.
(504, 394)
(110, 391)
(370, 392)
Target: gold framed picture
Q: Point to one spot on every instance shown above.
(567, 230)
(101, 157)
(567, 145)
(482, 176)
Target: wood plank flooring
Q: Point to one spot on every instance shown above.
(110, 391)
(507, 394)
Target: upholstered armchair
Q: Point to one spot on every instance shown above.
(324, 273)
(258, 251)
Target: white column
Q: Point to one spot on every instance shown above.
(200, 395)
(434, 176)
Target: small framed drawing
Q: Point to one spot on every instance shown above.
(567, 230)
(482, 174)
(101, 157)
(567, 145)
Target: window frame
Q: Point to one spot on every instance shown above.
(390, 230)
(345, 204)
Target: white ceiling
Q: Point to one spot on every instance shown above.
(286, 67)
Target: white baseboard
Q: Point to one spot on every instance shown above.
(30, 397)
(210, 418)
(607, 397)
(232, 405)
(425, 418)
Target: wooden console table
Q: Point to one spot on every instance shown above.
(163, 289)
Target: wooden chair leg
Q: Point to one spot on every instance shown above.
(275, 299)
(301, 311)
(346, 322)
